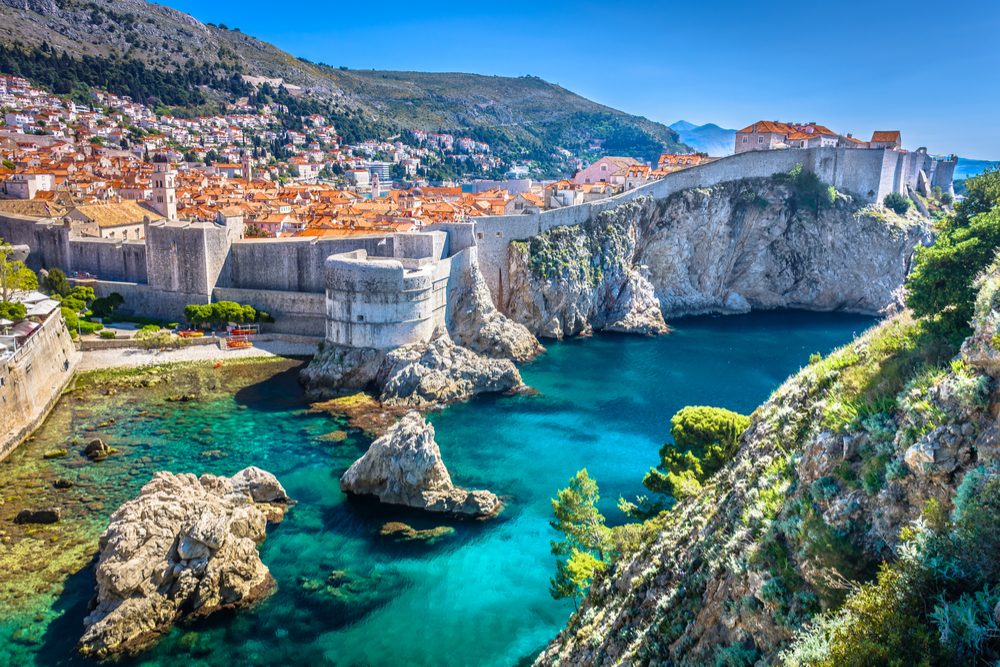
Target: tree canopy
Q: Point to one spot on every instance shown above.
(14, 275)
(586, 538)
(219, 313)
(704, 439)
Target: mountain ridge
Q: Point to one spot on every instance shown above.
(526, 117)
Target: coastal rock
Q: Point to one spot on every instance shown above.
(97, 450)
(184, 548)
(426, 375)
(337, 370)
(39, 516)
(475, 322)
(404, 467)
(735, 246)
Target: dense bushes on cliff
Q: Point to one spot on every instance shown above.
(941, 286)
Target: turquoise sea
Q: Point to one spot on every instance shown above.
(478, 597)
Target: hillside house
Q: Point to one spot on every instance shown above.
(608, 169)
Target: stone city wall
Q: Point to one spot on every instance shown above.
(867, 174)
(33, 379)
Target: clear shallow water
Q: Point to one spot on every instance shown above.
(479, 597)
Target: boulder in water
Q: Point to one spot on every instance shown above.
(404, 467)
(51, 515)
(184, 548)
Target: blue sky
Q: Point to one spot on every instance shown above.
(854, 66)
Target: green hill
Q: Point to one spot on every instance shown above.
(165, 57)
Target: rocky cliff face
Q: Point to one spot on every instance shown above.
(843, 455)
(739, 245)
(185, 547)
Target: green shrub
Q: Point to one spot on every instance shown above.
(87, 327)
(897, 202)
(705, 438)
(12, 310)
(942, 283)
(108, 335)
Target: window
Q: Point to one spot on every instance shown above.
(744, 139)
(760, 140)
(361, 318)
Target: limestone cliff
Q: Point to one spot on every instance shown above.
(843, 455)
(474, 322)
(743, 244)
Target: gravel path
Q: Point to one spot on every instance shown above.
(127, 358)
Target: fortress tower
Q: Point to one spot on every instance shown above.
(164, 188)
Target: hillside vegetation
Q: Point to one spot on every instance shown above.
(523, 118)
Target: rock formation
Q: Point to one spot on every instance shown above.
(440, 372)
(185, 547)
(97, 450)
(572, 280)
(39, 516)
(475, 323)
(421, 375)
(811, 505)
(737, 245)
(404, 467)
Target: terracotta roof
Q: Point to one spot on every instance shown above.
(32, 207)
(886, 136)
(118, 214)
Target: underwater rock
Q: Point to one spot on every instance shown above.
(404, 467)
(55, 454)
(51, 515)
(403, 532)
(184, 548)
(97, 450)
(63, 484)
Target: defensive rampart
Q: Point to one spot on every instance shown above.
(32, 380)
(182, 262)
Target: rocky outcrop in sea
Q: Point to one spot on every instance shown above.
(184, 548)
(739, 245)
(404, 467)
(421, 375)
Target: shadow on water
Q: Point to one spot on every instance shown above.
(59, 641)
(278, 393)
